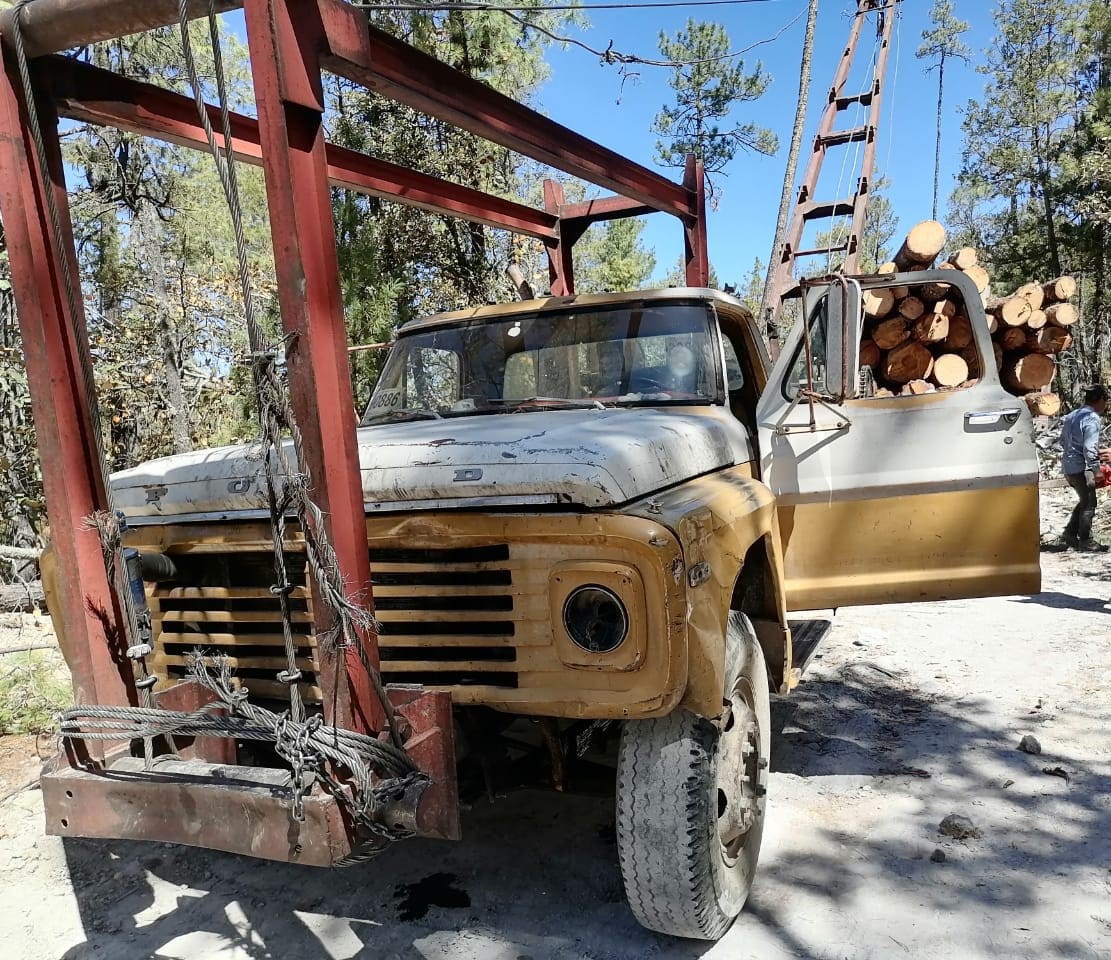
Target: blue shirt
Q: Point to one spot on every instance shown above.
(1080, 441)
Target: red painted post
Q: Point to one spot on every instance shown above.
(695, 253)
(56, 354)
(561, 265)
(284, 38)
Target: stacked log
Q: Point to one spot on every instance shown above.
(919, 339)
(1026, 351)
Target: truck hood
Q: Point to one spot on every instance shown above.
(589, 458)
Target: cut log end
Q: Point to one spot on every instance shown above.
(888, 334)
(1062, 314)
(960, 333)
(1028, 373)
(964, 258)
(878, 303)
(1010, 311)
(950, 370)
(908, 361)
(922, 245)
(1043, 404)
(1063, 288)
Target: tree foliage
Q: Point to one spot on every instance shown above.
(1034, 190)
(708, 84)
(940, 43)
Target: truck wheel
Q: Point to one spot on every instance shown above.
(691, 800)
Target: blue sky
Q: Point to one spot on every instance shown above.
(595, 100)
(591, 98)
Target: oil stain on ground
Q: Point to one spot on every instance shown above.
(436, 890)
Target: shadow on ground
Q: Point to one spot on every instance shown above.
(536, 877)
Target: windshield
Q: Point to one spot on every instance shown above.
(649, 354)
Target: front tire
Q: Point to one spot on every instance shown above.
(691, 802)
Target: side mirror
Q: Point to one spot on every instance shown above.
(844, 321)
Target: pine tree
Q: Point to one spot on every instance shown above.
(708, 84)
(942, 42)
(610, 258)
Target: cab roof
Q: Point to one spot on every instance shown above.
(553, 304)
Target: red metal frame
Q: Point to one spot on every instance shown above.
(55, 348)
(291, 42)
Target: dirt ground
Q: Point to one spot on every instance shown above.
(909, 714)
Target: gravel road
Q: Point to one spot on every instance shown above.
(908, 715)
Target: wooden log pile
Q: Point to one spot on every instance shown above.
(919, 339)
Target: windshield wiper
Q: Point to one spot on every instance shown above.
(566, 402)
(401, 413)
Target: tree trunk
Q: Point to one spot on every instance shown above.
(937, 134)
(767, 306)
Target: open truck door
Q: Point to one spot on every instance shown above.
(887, 499)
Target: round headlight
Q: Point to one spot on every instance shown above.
(596, 619)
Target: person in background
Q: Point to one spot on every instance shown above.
(1080, 462)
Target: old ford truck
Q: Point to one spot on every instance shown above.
(613, 508)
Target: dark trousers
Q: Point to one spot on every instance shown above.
(1080, 523)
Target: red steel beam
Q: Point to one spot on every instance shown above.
(604, 208)
(87, 93)
(561, 264)
(388, 66)
(56, 354)
(696, 254)
(290, 111)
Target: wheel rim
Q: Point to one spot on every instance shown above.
(741, 774)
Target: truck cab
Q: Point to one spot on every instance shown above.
(607, 508)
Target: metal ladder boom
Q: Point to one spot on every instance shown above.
(829, 135)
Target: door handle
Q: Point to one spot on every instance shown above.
(983, 418)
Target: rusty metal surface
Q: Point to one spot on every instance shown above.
(219, 806)
(53, 25)
(299, 201)
(561, 264)
(838, 103)
(56, 355)
(188, 696)
(695, 250)
(430, 741)
(213, 803)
